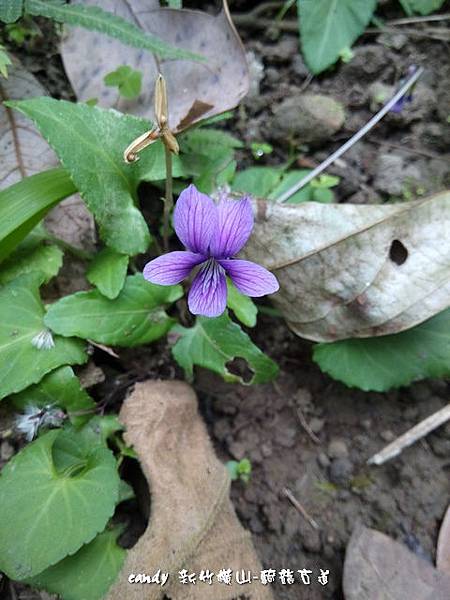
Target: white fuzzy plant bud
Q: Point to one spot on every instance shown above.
(43, 340)
(35, 417)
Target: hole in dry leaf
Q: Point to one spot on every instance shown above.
(239, 366)
(398, 252)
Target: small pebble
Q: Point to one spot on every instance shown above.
(323, 460)
(303, 398)
(366, 424)
(237, 450)
(255, 456)
(337, 449)
(316, 425)
(387, 436)
(343, 495)
(340, 471)
(250, 494)
(256, 526)
(312, 542)
(266, 450)
(286, 438)
(272, 75)
(299, 67)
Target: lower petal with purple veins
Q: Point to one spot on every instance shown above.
(208, 293)
(172, 268)
(249, 278)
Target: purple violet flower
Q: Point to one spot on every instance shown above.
(212, 234)
(401, 103)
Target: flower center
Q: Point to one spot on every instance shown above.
(211, 274)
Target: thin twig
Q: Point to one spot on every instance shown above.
(439, 34)
(106, 349)
(412, 20)
(306, 427)
(306, 83)
(248, 20)
(293, 500)
(426, 153)
(349, 143)
(411, 436)
(168, 200)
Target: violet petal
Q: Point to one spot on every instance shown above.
(171, 268)
(208, 293)
(235, 223)
(195, 219)
(249, 278)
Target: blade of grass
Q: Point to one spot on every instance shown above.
(25, 203)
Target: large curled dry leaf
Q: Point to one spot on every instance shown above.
(377, 567)
(355, 271)
(192, 524)
(25, 152)
(443, 545)
(195, 89)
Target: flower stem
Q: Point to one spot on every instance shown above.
(168, 200)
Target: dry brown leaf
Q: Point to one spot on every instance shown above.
(443, 545)
(378, 568)
(192, 523)
(25, 152)
(196, 89)
(353, 270)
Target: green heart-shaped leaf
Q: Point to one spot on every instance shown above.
(135, 317)
(23, 359)
(49, 512)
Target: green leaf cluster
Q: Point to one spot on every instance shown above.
(272, 182)
(208, 155)
(58, 536)
(215, 344)
(240, 470)
(90, 142)
(127, 80)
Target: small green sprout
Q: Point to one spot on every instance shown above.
(240, 470)
(21, 31)
(346, 54)
(127, 80)
(321, 188)
(259, 149)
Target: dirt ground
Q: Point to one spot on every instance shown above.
(402, 158)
